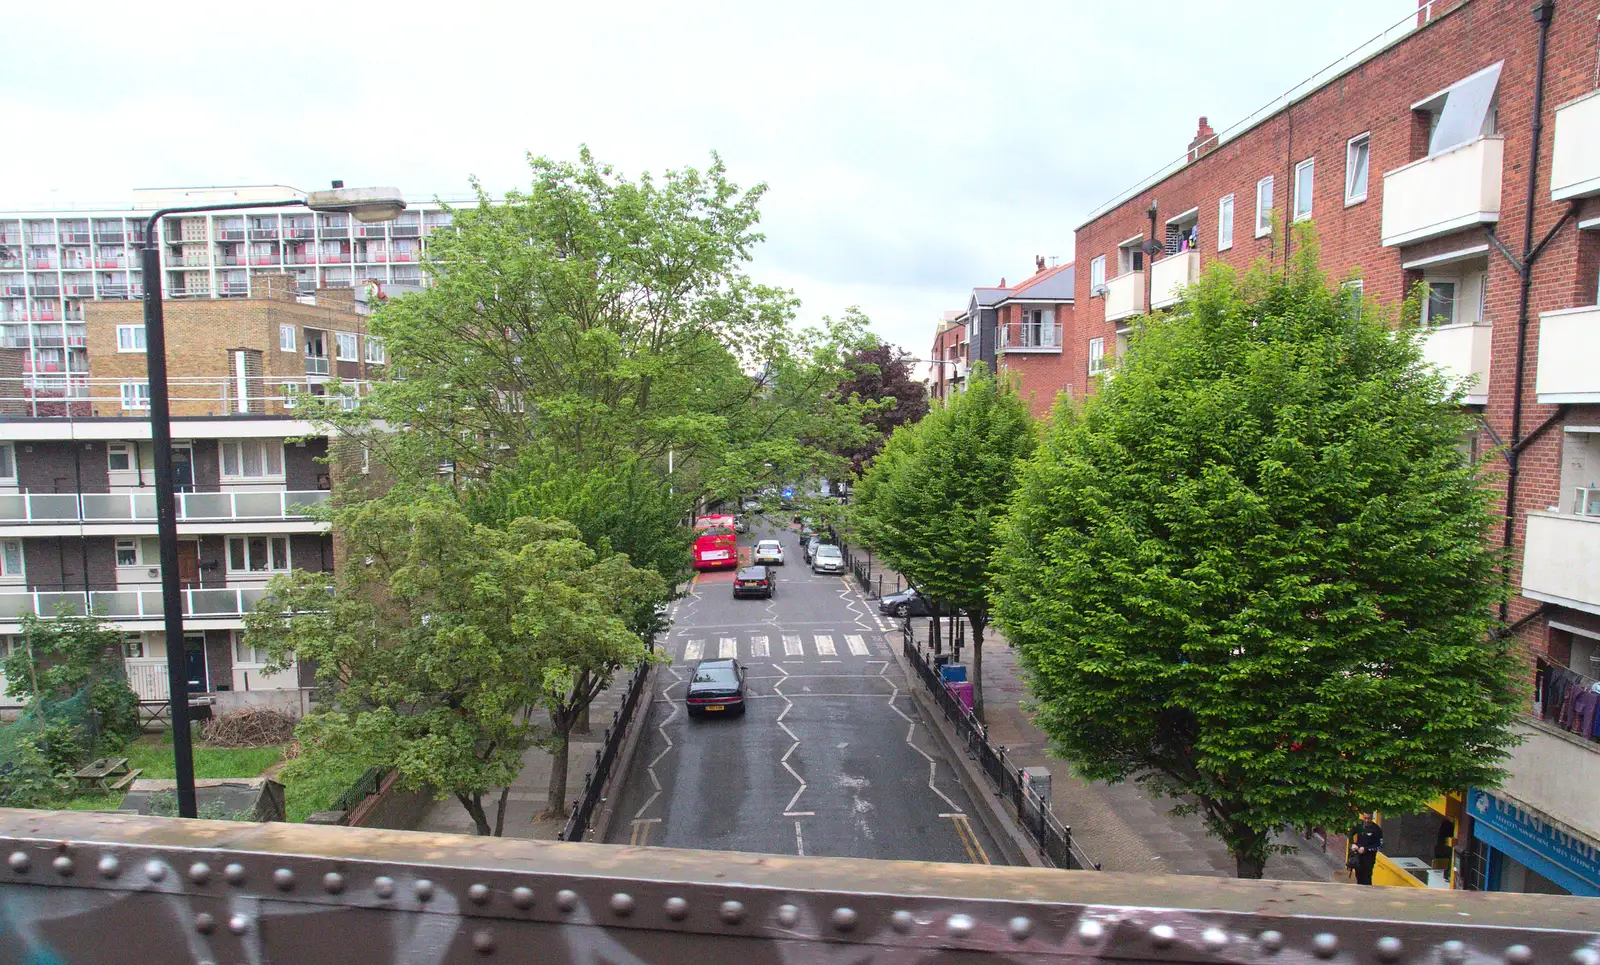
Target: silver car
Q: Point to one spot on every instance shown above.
(827, 559)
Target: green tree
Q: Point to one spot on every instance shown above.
(931, 502)
(443, 641)
(68, 658)
(882, 375)
(1253, 573)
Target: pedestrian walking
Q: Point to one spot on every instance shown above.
(1364, 847)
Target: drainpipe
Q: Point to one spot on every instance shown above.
(1151, 246)
(1543, 14)
(83, 541)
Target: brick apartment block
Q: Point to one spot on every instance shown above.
(1014, 331)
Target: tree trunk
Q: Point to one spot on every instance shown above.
(582, 727)
(1249, 851)
(556, 800)
(933, 627)
(977, 666)
(500, 812)
(474, 805)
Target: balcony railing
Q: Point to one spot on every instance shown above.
(1462, 352)
(1569, 344)
(334, 258)
(402, 256)
(74, 237)
(1575, 164)
(1561, 560)
(263, 234)
(316, 365)
(114, 264)
(404, 230)
(333, 231)
(42, 264)
(1125, 296)
(45, 291)
(129, 604)
(299, 258)
(230, 234)
(369, 231)
(56, 508)
(108, 238)
(232, 260)
(1027, 337)
(1171, 275)
(299, 231)
(264, 260)
(1444, 192)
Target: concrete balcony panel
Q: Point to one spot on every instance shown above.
(1569, 344)
(1445, 192)
(1561, 560)
(1556, 772)
(1462, 351)
(1125, 296)
(1171, 275)
(1575, 166)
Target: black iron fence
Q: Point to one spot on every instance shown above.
(874, 585)
(365, 786)
(594, 782)
(1032, 812)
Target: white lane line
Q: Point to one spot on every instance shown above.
(759, 647)
(779, 669)
(650, 768)
(825, 646)
(728, 647)
(849, 595)
(911, 730)
(858, 646)
(791, 646)
(694, 649)
(799, 842)
(799, 814)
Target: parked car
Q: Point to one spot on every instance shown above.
(754, 581)
(906, 603)
(739, 525)
(717, 687)
(827, 559)
(809, 547)
(768, 551)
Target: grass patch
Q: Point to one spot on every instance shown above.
(307, 793)
(154, 757)
(99, 801)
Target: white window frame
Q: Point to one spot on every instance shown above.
(366, 461)
(1427, 302)
(1097, 356)
(140, 557)
(8, 464)
(1264, 207)
(1310, 189)
(130, 338)
(1225, 222)
(125, 449)
(286, 338)
(135, 396)
(1097, 275)
(263, 454)
(1364, 142)
(375, 352)
(288, 551)
(339, 344)
(8, 572)
(133, 646)
(240, 648)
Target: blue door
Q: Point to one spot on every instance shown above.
(194, 657)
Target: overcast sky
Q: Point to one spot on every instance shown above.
(912, 150)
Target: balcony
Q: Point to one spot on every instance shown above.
(299, 258)
(232, 289)
(402, 256)
(263, 234)
(316, 365)
(112, 264)
(1561, 560)
(231, 260)
(1171, 275)
(129, 604)
(299, 231)
(1125, 296)
(55, 508)
(1461, 352)
(404, 230)
(108, 238)
(264, 259)
(42, 264)
(334, 258)
(1575, 165)
(1569, 343)
(369, 231)
(230, 234)
(1443, 193)
(1020, 338)
(333, 231)
(45, 291)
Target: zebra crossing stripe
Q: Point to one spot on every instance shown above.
(858, 646)
(825, 645)
(728, 647)
(758, 647)
(791, 646)
(694, 649)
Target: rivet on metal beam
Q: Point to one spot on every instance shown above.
(483, 941)
(959, 926)
(1162, 936)
(567, 900)
(522, 897)
(622, 904)
(1272, 941)
(731, 912)
(1388, 949)
(19, 862)
(678, 909)
(235, 873)
(238, 924)
(383, 886)
(333, 882)
(204, 923)
(903, 922)
(478, 894)
(423, 889)
(1585, 956)
(1325, 945)
(155, 871)
(1519, 955)
(844, 919)
(1453, 952)
(199, 872)
(1214, 939)
(1090, 932)
(1019, 928)
(109, 866)
(284, 879)
(62, 864)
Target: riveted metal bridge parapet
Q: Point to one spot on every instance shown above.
(102, 888)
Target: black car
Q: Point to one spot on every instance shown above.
(717, 687)
(906, 603)
(754, 581)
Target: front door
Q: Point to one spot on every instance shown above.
(183, 467)
(194, 661)
(188, 564)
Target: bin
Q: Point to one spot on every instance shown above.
(962, 692)
(953, 672)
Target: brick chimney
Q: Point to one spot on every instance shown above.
(1205, 141)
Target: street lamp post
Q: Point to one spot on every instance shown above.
(364, 204)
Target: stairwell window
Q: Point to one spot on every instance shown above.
(8, 464)
(1357, 160)
(1304, 184)
(286, 338)
(1225, 223)
(1097, 356)
(11, 564)
(1264, 206)
(135, 395)
(130, 338)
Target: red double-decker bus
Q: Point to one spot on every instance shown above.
(716, 545)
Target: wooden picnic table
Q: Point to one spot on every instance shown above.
(106, 774)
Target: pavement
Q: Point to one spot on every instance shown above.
(832, 757)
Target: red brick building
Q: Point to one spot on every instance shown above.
(1414, 163)
(1014, 330)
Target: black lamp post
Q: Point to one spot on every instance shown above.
(364, 204)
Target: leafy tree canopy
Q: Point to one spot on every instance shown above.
(882, 375)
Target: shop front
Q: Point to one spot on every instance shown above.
(1522, 851)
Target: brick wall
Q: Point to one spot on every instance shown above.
(59, 467)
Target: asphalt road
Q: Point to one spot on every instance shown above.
(831, 757)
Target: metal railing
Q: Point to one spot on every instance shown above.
(140, 506)
(1033, 814)
(129, 604)
(316, 365)
(80, 886)
(594, 782)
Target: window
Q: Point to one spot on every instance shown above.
(1354, 290)
(1441, 307)
(130, 338)
(1225, 223)
(8, 463)
(1357, 158)
(1130, 256)
(375, 352)
(251, 458)
(346, 345)
(1264, 206)
(258, 554)
(1097, 355)
(286, 338)
(133, 646)
(11, 559)
(366, 460)
(119, 457)
(1038, 328)
(136, 395)
(243, 653)
(1465, 112)
(1304, 182)
(127, 552)
(1097, 275)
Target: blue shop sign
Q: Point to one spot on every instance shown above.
(1572, 862)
